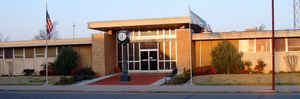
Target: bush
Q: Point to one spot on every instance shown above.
(205, 70)
(84, 74)
(51, 69)
(66, 60)
(28, 72)
(259, 68)
(248, 65)
(180, 79)
(65, 81)
(226, 58)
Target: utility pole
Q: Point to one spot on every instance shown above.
(273, 47)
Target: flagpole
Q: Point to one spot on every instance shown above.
(190, 30)
(46, 55)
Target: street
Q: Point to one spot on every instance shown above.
(87, 95)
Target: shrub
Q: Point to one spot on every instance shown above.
(28, 72)
(51, 69)
(205, 70)
(248, 65)
(84, 74)
(65, 81)
(226, 58)
(259, 68)
(66, 60)
(180, 79)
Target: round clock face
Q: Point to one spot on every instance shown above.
(122, 36)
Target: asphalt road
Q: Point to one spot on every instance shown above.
(87, 95)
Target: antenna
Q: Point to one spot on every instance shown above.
(296, 12)
(73, 30)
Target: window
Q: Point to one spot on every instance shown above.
(8, 53)
(40, 52)
(246, 46)
(1, 53)
(262, 45)
(51, 51)
(294, 44)
(29, 53)
(280, 45)
(18, 52)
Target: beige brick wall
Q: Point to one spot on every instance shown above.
(104, 53)
(183, 48)
(16, 66)
(98, 56)
(280, 60)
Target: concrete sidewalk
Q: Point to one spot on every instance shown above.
(155, 89)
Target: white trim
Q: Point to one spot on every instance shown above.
(286, 45)
(170, 49)
(127, 45)
(151, 71)
(176, 46)
(24, 55)
(271, 45)
(41, 44)
(254, 45)
(140, 61)
(157, 33)
(164, 48)
(56, 51)
(13, 53)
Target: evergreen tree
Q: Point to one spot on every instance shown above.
(66, 60)
(226, 58)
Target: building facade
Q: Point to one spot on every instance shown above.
(156, 45)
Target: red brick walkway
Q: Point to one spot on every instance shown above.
(136, 79)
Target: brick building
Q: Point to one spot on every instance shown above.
(156, 45)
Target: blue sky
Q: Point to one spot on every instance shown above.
(22, 19)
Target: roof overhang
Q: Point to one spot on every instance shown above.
(138, 23)
(37, 43)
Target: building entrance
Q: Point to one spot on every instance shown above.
(149, 59)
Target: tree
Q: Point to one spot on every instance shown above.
(43, 34)
(226, 58)
(3, 38)
(66, 60)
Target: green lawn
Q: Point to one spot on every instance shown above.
(247, 79)
(27, 80)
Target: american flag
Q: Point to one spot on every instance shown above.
(49, 23)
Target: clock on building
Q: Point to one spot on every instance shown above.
(123, 36)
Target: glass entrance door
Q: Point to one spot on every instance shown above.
(144, 60)
(149, 60)
(153, 60)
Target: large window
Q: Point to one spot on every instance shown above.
(162, 41)
(29, 53)
(40, 52)
(1, 53)
(8, 53)
(18, 52)
(263, 45)
(51, 51)
(294, 44)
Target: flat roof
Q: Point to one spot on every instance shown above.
(105, 25)
(36, 43)
(266, 34)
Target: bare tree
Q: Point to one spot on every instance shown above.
(3, 38)
(292, 61)
(43, 34)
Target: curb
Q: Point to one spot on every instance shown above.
(89, 91)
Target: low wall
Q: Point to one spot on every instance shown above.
(16, 66)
